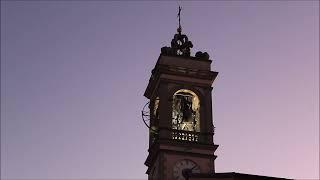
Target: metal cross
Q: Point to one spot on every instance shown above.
(179, 15)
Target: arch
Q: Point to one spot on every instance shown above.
(174, 89)
(185, 111)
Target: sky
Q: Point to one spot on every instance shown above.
(73, 74)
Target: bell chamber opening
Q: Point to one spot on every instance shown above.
(185, 115)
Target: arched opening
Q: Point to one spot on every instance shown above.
(156, 108)
(186, 111)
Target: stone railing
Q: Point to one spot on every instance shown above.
(185, 135)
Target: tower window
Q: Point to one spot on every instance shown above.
(156, 108)
(186, 111)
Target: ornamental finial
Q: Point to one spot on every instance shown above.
(180, 45)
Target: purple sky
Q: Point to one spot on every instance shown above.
(73, 75)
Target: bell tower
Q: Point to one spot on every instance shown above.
(179, 113)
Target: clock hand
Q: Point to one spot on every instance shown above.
(193, 167)
(186, 172)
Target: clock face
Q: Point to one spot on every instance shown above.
(181, 168)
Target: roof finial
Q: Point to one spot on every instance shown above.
(179, 15)
(180, 45)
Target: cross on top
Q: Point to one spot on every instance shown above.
(179, 16)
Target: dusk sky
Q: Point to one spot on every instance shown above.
(73, 74)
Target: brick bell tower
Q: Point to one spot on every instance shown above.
(179, 113)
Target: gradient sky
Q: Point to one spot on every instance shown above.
(73, 74)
